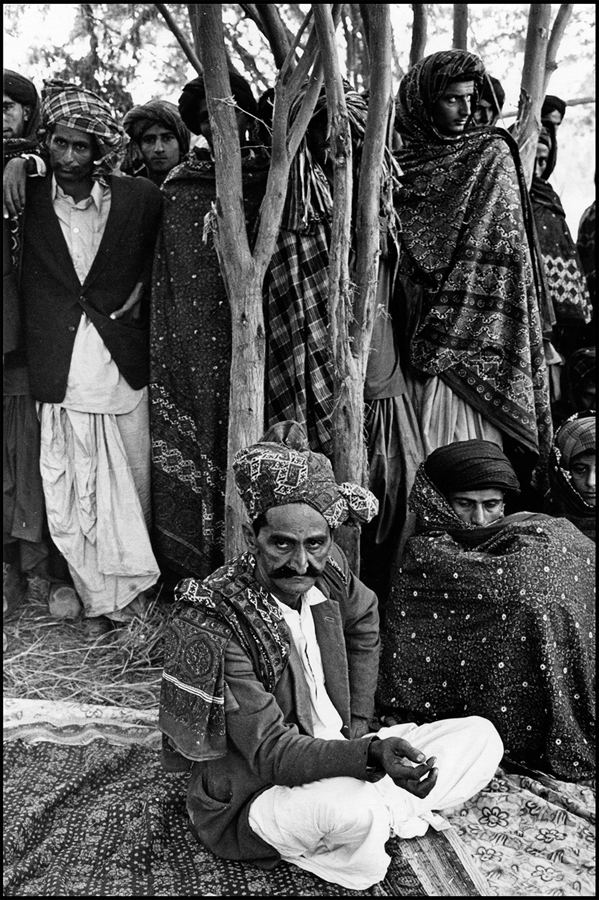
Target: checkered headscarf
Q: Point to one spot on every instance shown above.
(76, 107)
(576, 435)
(281, 470)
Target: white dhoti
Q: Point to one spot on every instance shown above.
(336, 828)
(445, 418)
(94, 510)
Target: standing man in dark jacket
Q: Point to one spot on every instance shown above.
(268, 691)
(88, 246)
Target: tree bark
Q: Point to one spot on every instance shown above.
(419, 29)
(243, 272)
(532, 89)
(460, 26)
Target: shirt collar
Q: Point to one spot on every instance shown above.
(97, 193)
(313, 597)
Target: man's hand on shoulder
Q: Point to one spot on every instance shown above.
(407, 766)
(14, 181)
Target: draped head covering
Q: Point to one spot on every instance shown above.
(195, 90)
(67, 104)
(471, 466)
(493, 93)
(157, 112)
(576, 435)
(280, 469)
(580, 371)
(23, 91)
(425, 83)
(551, 103)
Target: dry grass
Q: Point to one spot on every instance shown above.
(51, 659)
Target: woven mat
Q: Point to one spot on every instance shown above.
(105, 820)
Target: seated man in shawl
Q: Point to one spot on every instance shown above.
(190, 347)
(88, 244)
(494, 615)
(470, 279)
(268, 690)
(159, 140)
(27, 547)
(572, 473)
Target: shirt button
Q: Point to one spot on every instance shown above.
(71, 328)
(76, 230)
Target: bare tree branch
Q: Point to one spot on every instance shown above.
(460, 26)
(557, 32)
(185, 45)
(276, 32)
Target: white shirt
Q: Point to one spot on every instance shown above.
(95, 384)
(327, 721)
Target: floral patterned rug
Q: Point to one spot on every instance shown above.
(88, 811)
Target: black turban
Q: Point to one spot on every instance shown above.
(551, 103)
(470, 466)
(20, 89)
(189, 101)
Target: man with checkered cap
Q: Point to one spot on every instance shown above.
(268, 690)
(88, 246)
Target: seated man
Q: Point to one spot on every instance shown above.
(268, 691)
(572, 472)
(493, 615)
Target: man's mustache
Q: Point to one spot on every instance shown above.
(287, 572)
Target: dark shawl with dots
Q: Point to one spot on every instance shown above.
(497, 622)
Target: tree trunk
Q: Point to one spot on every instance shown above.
(419, 27)
(460, 26)
(532, 89)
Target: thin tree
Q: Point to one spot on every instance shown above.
(460, 26)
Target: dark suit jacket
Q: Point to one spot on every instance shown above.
(55, 299)
(269, 735)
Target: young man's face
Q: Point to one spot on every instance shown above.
(541, 159)
(478, 507)
(291, 550)
(583, 471)
(453, 108)
(15, 118)
(160, 149)
(71, 154)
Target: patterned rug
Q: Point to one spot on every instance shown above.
(102, 820)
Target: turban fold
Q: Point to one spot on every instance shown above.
(552, 103)
(189, 101)
(157, 112)
(23, 91)
(281, 469)
(577, 435)
(471, 466)
(76, 107)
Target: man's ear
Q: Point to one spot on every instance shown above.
(250, 537)
(26, 113)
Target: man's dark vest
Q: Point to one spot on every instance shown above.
(55, 299)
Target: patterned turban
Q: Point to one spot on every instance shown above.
(281, 469)
(76, 107)
(157, 112)
(471, 466)
(577, 435)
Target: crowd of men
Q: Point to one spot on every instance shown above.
(117, 347)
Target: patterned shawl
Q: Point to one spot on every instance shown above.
(497, 622)
(467, 238)
(231, 603)
(563, 498)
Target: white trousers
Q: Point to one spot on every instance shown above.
(336, 828)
